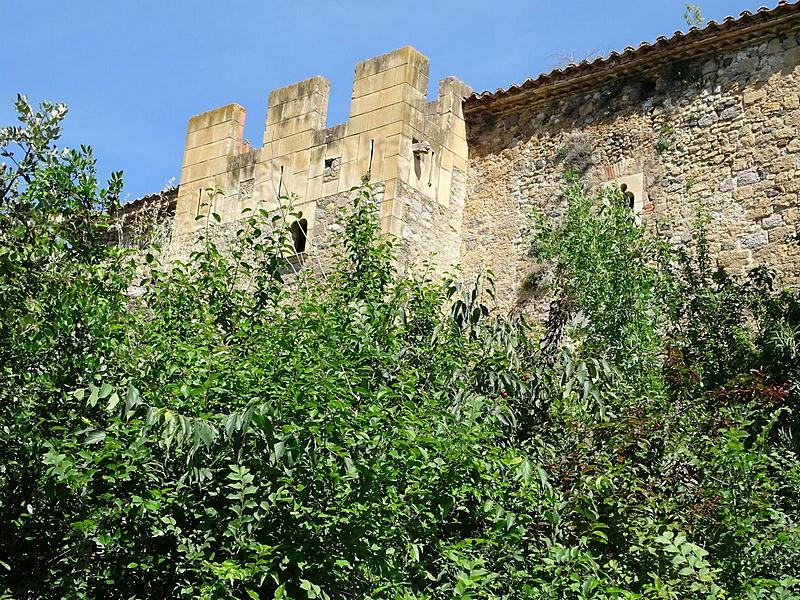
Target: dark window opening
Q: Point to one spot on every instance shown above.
(417, 157)
(629, 196)
(299, 230)
(371, 154)
(328, 163)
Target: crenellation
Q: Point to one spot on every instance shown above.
(305, 160)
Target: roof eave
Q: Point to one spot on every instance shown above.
(647, 59)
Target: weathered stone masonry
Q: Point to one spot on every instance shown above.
(705, 121)
(707, 124)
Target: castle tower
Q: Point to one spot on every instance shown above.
(413, 149)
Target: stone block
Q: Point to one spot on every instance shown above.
(708, 120)
(748, 178)
(397, 58)
(329, 188)
(365, 104)
(397, 167)
(349, 149)
(443, 187)
(728, 185)
(314, 189)
(791, 58)
(380, 81)
(393, 145)
(394, 94)
(791, 215)
(208, 152)
(301, 161)
(786, 163)
(782, 235)
(754, 240)
(317, 161)
(734, 259)
(392, 226)
(730, 113)
(389, 189)
(308, 87)
(350, 175)
(396, 113)
(204, 170)
(230, 112)
(760, 209)
(772, 221)
(293, 143)
(207, 135)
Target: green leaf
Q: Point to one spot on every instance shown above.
(93, 395)
(132, 398)
(95, 437)
(113, 401)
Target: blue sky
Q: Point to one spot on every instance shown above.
(133, 72)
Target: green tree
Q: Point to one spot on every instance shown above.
(239, 430)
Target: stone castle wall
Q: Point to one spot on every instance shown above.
(707, 122)
(717, 134)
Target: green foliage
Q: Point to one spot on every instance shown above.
(234, 431)
(663, 144)
(693, 423)
(692, 15)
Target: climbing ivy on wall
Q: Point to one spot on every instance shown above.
(235, 430)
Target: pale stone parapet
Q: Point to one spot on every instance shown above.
(394, 133)
(212, 138)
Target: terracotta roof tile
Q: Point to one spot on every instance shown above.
(167, 196)
(694, 39)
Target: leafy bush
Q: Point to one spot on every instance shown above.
(238, 432)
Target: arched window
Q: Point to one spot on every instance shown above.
(299, 230)
(632, 188)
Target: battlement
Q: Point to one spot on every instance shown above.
(393, 133)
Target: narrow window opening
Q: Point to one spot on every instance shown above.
(328, 163)
(299, 230)
(430, 173)
(280, 182)
(371, 153)
(418, 149)
(417, 157)
(628, 195)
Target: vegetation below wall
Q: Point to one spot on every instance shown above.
(366, 435)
